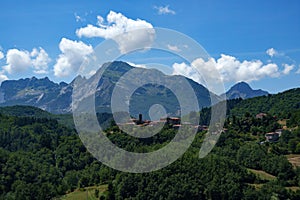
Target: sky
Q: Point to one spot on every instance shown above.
(252, 41)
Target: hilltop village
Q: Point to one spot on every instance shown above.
(175, 122)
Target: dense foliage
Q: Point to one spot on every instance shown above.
(224, 174)
(281, 104)
(40, 158)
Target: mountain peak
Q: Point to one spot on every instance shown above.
(243, 90)
(241, 86)
(118, 66)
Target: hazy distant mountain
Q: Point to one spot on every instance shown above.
(244, 91)
(42, 93)
(57, 98)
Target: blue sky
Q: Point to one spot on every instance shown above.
(257, 39)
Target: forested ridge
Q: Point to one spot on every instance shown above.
(41, 158)
(282, 104)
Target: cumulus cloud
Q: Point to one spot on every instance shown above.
(163, 10)
(187, 71)
(271, 52)
(287, 69)
(20, 60)
(226, 68)
(40, 61)
(100, 21)
(121, 29)
(72, 56)
(17, 61)
(1, 55)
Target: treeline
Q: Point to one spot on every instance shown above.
(41, 159)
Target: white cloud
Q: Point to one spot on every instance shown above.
(20, 60)
(173, 48)
(187, 71)
(100, 21)
(17, 61)
(1, 55)
(40, 61)
(72, 56)
(271, 52)
(3, 77)
(287, 69)
(118, 28)
(164, 10)
(226, 68)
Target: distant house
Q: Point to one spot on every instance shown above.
(261, 115)
(171, 120)
(272, 137)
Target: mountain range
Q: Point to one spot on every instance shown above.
(57, 97)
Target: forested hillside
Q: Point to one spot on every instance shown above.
(281, 104)
(41, 158)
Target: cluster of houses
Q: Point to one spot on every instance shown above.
(175, 122)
